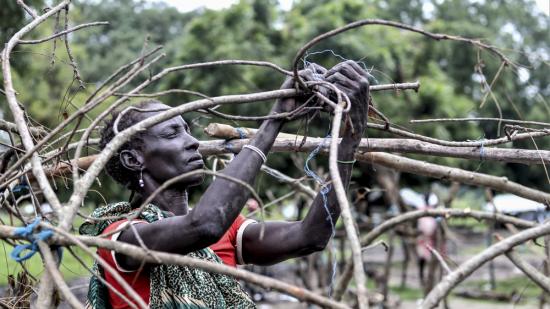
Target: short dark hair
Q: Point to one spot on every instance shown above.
(114, 167)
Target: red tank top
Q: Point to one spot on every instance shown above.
(225, 248)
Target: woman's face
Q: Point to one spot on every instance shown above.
(169, 150)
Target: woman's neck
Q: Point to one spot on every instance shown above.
(172, 200)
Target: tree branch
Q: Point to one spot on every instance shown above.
(51, 267)
(536, 276)
(387, 225)
(175, 259)
(347, 217)
(62, 33)
(465, 269)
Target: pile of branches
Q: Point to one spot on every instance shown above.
(28, 161)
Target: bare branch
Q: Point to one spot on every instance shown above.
(366, 22)
(538, 123)
(62, 33)
(347, 217)
(455, 174)
(27, 9)
(439, 258)
(51, 267)
(536, 276)
(287, 142)
(12, 127)
(393, 161)
(465, 269)
(478, 143)
(17, 113)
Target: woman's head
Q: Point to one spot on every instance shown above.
(162, 152)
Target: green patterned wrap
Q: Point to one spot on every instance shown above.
(172, 286)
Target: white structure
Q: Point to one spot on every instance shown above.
(518, 206)
(416, 200)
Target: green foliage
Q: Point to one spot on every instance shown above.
(259, 30)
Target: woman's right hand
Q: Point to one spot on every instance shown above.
(313, 72)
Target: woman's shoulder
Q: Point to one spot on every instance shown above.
(104, 216)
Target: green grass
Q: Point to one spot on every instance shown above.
(407, 293)
(70, 268)
(522, 285)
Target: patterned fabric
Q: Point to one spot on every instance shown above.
(172, 286)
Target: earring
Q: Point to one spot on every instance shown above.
(141, 183)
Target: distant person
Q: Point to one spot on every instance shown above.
(252, 205)
(427, 229)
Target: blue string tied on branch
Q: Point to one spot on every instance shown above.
(21, 188)
(242, 133)
(482, 150)
(325, 188)
(28, 232)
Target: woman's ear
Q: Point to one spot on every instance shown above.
(131, 160)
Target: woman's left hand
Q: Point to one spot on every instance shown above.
(353, 81)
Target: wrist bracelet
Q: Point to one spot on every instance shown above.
(258, 151)
(346, 162)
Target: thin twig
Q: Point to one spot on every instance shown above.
(360, 23)
(28, 9)
(485, 143)
(439, 258)
(62, 33)
(72, 60)
(538, 123)
(18, 114)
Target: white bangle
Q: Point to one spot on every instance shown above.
(256, 150)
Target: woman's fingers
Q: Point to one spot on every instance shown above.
(338, 68)
(317, 69)
(341, 79)
(350, 69)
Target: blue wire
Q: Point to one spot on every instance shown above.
(28, 233)
(325, 189)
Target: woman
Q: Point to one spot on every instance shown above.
(214, 228)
